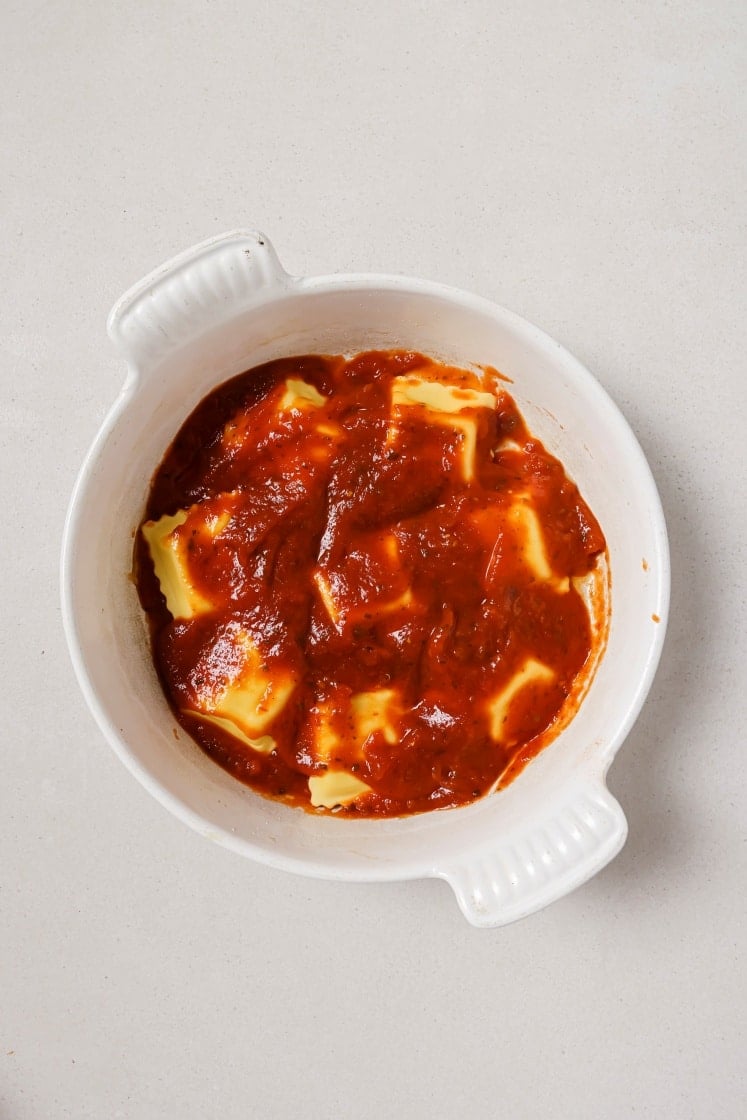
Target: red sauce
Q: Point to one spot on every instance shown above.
(305, 502)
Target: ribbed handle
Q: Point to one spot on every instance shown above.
(533, 869)
(194, 292)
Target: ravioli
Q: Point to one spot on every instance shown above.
(530, 672)
(169, 541)
(300, 396)
(369, 580)
(335, 788)
(237, 690)
(445, 406)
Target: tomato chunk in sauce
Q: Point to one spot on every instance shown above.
(370, 589)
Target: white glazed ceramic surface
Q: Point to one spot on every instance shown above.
(227, 305)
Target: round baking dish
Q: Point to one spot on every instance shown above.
(228, 305)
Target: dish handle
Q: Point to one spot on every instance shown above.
(536, 867)
(196, 291)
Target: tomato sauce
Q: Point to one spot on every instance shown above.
(430, 558)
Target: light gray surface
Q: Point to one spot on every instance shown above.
(578, 162)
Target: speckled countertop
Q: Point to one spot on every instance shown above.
(580, 163)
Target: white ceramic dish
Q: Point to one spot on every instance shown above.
(227, 305)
